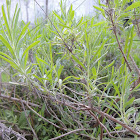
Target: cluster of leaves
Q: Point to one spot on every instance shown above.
(68, 63)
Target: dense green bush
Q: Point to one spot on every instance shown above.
(71, 78)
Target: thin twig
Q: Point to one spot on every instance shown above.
(55, 28)
(114, 132)
(113, 128)
(6, 132)
(137, 23)
(113, 119)
(29, 121)
(67, 134)
(74, 91)
(115, 33)
(45, 118)
(135, 65)
(94, 109)
(54, 115)
(101, 125)
(18, 100)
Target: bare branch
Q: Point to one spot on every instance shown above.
(74, 131)
(29, 121)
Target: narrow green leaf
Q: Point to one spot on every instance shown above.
(79, 22)
(123, 3)
(29, 47)
(98, 50)
(70, 14)
(51, 55)
(101, 4)
(39, 79)
(118, 127)
(25, 60)
(136, 87)
(7, 56)
(15, 12)
(7, 45)
(70, 9)
(77, 78)
(63, 25)
(123, 15)
(60, 70)
(62, 9)
(126, 42)
(43, 109)
(109, 107)
(6, 22)
(10, 62)
(137, 101)
(28, 69)
(41, 60)
(23, 32)
(100, 9)
(134, 5)
(60, 19)
(78, 61)
(99, 23)
(52, 32)
(111, 64)
(130, 111)
(94, 73)
(16, 19)
(39, 64)
(117, 89)
(128, 103)
(86, 37)
(116, 3)
(131, 41)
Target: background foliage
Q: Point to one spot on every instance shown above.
(71, 78)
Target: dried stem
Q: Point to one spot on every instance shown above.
(119, 45)
(5, 133)
(45, 118)
(101, 125)
(115, 120)
(73, 131)
(18, 100)
(29, 121)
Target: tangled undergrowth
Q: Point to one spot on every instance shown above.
(71, 78)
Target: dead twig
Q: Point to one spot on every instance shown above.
(101, 125)
(5, 133)
(120, 47)
(113, 119)
(18, 100)
(74, 131)
(45, 118)
(114, 132)
(29, 121)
